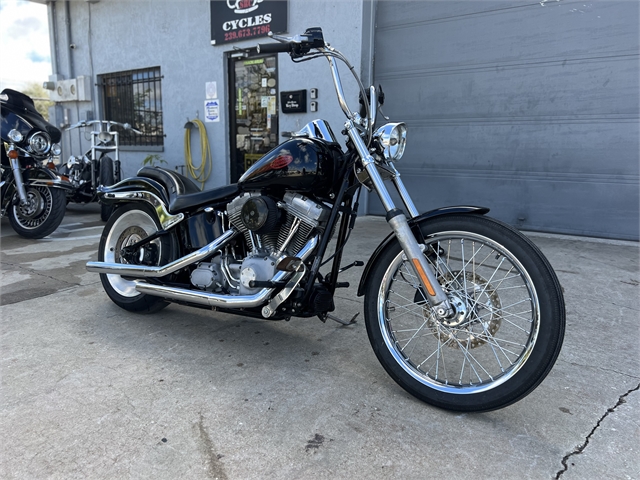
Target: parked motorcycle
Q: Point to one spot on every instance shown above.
(87, 172)
(462, 311)
(32, 195)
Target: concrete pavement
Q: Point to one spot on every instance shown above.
(92, 391)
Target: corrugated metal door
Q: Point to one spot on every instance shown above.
(529, 108)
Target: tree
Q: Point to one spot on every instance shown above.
(40, 98)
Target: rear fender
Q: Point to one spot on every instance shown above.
(414, 223)
(141, 189)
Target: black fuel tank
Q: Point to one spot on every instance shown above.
(299, 164)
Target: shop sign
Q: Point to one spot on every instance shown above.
(236, 20)
(294, 101)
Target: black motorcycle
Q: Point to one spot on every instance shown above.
(95, 167)
(462, 311)
(32, 194)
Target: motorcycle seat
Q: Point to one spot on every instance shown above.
(183, 194)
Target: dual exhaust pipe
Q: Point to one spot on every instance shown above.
(198, 297)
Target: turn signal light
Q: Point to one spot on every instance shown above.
(12, 154)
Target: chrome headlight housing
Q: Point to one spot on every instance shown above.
(39, 143)
(56, 149)
(392, 137)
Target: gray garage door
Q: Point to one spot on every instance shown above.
(529, 108)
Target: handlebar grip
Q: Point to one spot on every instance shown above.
(275, 47)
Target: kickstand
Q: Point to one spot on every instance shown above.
(343, 322)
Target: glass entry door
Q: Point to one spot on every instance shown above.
(254, 110)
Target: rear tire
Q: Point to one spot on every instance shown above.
(106, 179)
(128, 225)
(42, 214)
(509, 325)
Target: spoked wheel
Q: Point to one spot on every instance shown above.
(508, 325)
(42, 213)
(127, 226)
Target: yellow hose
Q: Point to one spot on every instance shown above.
(202, 172)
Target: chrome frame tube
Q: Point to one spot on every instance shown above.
(149, 271)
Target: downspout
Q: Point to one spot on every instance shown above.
(53, 36)
(72, 70)
(67, 15)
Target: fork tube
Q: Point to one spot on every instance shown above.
(17, 177)
(398, 222)
(404, 194)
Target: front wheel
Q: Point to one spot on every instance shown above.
(42, 213)
(509, 317)
(128, 225)
(106, 179)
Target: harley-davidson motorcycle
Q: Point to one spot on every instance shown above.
(32, 194)
(462, 311)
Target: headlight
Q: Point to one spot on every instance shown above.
(39, 143)
(392, 138)
(15, 136)
(105, 136)
(56, 149)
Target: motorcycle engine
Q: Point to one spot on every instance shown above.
(77, 173)
(272, 229)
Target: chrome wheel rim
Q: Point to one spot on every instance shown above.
(37, 209)
(128, 229)
(497, 315)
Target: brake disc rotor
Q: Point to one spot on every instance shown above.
(478, 312)
(36, 210)
(129, 236)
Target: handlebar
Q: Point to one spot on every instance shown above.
(108, 123)
(275, 47)
(301, 46)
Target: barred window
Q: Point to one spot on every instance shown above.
(134, 97)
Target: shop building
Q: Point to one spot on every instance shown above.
(529, 108)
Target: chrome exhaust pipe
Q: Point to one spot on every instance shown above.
(200, 297)
(149, 271)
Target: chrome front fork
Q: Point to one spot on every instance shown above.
(398, 223)
(17, 178)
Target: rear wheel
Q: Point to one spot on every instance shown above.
(42, 213)
(128, 225)
(507, 330)
(106, 179)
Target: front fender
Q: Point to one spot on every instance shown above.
(414, 222)
(45, 177)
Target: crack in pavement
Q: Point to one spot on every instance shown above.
(580, 448)
(20, 267)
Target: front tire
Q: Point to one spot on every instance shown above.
(128, 225)
(42, 213)
(106, 179)
(509, 322)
